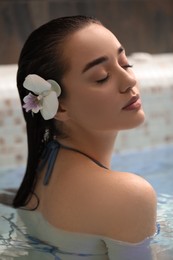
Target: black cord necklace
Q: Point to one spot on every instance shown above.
(49, 156)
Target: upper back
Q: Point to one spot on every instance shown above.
(97, 201)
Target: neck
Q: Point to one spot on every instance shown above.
(97, 145)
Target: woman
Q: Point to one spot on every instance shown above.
(78, 90)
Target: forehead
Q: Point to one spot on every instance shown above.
(90, 43)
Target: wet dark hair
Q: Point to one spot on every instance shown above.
(43, 54)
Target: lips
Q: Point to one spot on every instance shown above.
(131, 101)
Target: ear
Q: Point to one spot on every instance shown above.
(62, 114)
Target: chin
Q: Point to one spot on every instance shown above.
(138, 119)
(134, 121)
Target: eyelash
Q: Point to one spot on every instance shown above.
(127, 66)
(101, 81)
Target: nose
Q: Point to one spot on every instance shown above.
(127, 80)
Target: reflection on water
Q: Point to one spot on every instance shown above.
(15, 242)
(165, 218)
(163, 244)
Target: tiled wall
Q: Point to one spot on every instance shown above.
(12, 127)
(155, 74)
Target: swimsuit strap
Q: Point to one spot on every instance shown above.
(49, 156)
(78, 151)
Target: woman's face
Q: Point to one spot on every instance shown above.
(100, 83)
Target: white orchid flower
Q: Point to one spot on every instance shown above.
(46, 98)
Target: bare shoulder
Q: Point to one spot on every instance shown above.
(118, 205)
(129, 207)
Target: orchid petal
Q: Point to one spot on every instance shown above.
(27, 108)
(55, 87)
(31, 103)
(28, 98)
(36, 84)
(36, 109)
(49, 106)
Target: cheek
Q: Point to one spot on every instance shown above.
(93, 108)
(83, 106)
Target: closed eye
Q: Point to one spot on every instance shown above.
(127, 66)
(100, 81)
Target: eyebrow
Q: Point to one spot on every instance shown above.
(100, 60)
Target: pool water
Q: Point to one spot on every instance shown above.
(155, 165)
